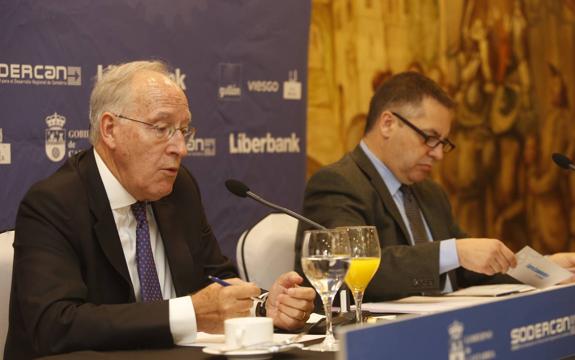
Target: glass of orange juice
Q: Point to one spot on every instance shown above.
(365, 259)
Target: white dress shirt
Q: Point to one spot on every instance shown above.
(182, 316)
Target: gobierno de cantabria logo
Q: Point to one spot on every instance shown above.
(55, 137)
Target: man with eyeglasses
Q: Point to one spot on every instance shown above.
(113, 251)
(383, 182)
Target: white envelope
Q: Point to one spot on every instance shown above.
(536, 270)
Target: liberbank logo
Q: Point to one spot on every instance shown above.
(268, 144)
(177, 76)
(5, 154)
(230, 77)
(28, 74)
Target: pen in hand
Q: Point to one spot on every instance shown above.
(225, 283)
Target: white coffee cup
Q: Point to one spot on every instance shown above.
(246, 331)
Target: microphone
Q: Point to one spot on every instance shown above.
(240, 189)
(563, 161)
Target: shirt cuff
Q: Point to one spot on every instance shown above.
(448, 259)
(182, 320)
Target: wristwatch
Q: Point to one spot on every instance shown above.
(261, 306)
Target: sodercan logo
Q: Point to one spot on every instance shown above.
(547, 330)
(29, 74)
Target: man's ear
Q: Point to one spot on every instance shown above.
(386, 123)
(108, 130)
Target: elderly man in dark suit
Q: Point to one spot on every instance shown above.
(383, 182)
(113, 250)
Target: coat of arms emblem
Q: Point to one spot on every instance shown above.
(55, 137)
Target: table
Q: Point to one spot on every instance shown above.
(442, 333)
(181, 353)
(177, 353)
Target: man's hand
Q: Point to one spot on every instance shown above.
(288, 304)
(486, 256)
(215, 303)
(565, 260)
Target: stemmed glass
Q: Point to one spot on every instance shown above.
(365, 259)
(325, 261)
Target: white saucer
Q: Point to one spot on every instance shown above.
(257, 354)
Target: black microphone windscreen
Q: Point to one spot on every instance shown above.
(237, 187)
(561, 160)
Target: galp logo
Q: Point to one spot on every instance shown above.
(55, 137)
(230, 81)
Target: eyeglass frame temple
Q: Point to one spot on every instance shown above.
(425, 136)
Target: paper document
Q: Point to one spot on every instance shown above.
(492, 290)
(536, 270)
(424, 304)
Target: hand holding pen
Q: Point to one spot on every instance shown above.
(225, 283)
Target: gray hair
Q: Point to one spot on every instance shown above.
(111, 90)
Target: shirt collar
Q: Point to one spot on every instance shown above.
(389, 179)
(118, 196)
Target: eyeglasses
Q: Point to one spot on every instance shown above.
(164, 133)
(430, 140)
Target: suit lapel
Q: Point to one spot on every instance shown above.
(104, 224)
(174, 237)
(369, 170)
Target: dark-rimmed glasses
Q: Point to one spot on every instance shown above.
(430, 140)
(164, 133)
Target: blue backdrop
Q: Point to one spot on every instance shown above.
(242, 64)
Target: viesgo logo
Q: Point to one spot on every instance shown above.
(28, 74)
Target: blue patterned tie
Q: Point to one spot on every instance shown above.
(149, 283)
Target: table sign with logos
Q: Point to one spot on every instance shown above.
(535, 325)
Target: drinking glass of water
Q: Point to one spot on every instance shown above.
(325, 261)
